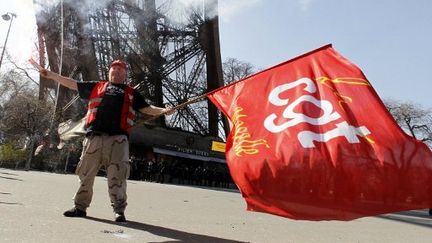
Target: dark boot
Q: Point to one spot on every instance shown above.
(75, 212)
(119, 217)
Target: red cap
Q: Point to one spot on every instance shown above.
(119, 63)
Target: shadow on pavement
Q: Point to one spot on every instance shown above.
(10, 178)
(177, 235)
(6, 173)
(417, 217)
(220, 189)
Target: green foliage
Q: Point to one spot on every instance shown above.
(9, 153)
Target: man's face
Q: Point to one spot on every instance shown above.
(117, 74)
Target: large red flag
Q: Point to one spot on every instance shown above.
(311, 140)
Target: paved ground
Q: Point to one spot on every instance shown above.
(32, 203)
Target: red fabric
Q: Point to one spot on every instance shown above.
(95, 99)
(311, 140)
(128, 114)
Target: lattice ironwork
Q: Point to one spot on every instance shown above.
(169, 60)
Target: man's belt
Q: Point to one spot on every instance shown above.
(96, 133)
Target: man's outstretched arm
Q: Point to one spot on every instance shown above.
(65, 81)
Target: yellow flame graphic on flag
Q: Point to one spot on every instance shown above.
(241, 140)
(342, 80)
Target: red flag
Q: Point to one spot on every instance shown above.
(311, 140)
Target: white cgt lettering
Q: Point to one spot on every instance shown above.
(306, 138)
(294, 117)
(342, 129)
(274, 94)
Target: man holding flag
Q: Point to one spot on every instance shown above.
(318, 143)
(111, 110)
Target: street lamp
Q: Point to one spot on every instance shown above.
(7, 17)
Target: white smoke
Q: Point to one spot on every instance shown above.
(83, 5)
(179, 10)
(43, 5)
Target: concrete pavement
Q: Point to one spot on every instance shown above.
(32, 204)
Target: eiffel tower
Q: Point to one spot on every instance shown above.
(173, 53)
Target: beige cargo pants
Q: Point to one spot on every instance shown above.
(112, 152)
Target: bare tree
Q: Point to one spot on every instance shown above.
(24, 116)
(19, 103)
(11, 84)
(413, 119)
(234, 69)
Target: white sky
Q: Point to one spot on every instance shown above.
(22, 36)
(391, 41)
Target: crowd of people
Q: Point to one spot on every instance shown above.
(165, 169)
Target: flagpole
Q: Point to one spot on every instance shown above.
(179, 106)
